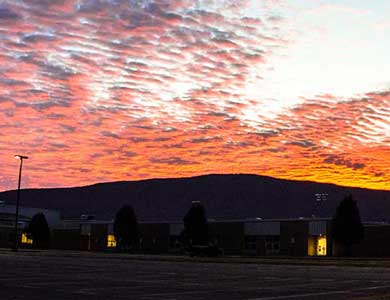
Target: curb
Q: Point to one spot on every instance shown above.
(291, 261)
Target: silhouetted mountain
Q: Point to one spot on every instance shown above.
(224, 197)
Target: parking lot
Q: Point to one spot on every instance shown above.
(41, 275)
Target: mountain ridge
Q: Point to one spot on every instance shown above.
(225, 196)
(193, 177)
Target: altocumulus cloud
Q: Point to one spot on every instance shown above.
(171, 88)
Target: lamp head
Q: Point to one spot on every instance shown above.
(21, 157)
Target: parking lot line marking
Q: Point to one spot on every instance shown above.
(323, 293)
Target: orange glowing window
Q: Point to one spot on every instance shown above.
(321, 246)
(26, 239)
(111, 242)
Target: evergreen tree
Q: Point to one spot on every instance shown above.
(39, 231)
(126, 228)
(196, 226)
(347, 228)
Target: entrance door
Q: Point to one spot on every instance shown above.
(316, 245)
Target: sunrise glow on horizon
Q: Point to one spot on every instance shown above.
(105, 90)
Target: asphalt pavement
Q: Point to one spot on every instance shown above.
(37, 275)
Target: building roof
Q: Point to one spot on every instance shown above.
(52, 216)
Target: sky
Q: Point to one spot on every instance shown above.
(108, 90)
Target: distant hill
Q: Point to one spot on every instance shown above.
(224, 196)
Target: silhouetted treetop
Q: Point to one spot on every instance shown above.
(195, 225)
(347, 228)
(39, 231)
(126, 227)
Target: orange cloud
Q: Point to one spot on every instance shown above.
(102, 91)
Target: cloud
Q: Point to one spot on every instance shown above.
(171, 161)
(110, 134)
(66, 128)
(58, 145)
(129, 153)
(301, 143)
(7, 14)
(206, 139)
(265, 133)
(138, 86)
(38, 37)
(340, 161)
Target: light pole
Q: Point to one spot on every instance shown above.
(21, 157)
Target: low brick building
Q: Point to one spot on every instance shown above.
(7, 223)
(249, 237)
(291, 237)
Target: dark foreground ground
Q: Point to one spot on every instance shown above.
(43, 275)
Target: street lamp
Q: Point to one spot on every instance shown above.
(21, 157)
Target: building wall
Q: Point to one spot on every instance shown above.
(175, 238)
(283, 237)
(52, 216)
(262, 237)
(294, 237)
(6, 237)
(330, 243)
(376, 241)
(154, 237)
(65, 239)
(267, 245)
(228, 235)
(99, 234)
(7, 227)
(93, 236)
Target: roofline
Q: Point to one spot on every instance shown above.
(214, 221)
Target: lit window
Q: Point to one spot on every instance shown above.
(26, 239)
(111, 242)
(317, 245)
(321, 246)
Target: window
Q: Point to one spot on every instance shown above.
(272, 244)
(174, 242)
(111, 242)
(321, 245)
(317, 245)
(26, 239)
(250, 242)
(86, 229)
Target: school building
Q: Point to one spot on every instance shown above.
(256, 237)
(249, 237)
